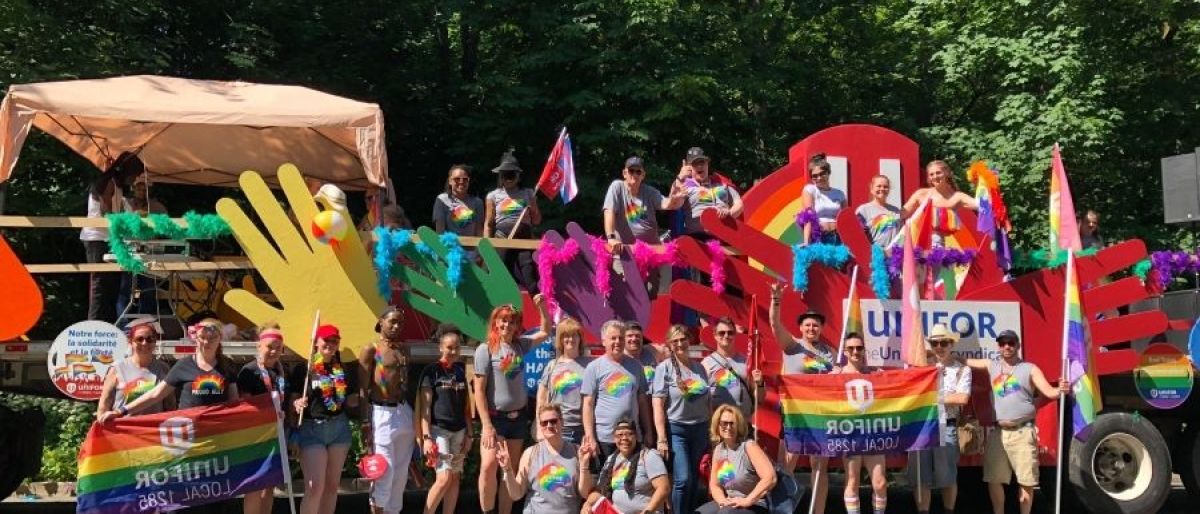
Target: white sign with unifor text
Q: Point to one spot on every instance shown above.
(977, 325)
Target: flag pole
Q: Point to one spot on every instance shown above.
(283, 452)
(753, 351)
(517, 226)
(846, 315)
(312, 349)
(1062, 403)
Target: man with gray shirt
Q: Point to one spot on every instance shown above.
(613, 388)
(631, 207)
(1012, 445)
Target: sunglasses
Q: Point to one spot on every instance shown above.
(145, 339)
(636, 171)
(819, 175)
(941, 342)
(551, 422)
(853, 349)
(726, 424)
(1006, 343)
(724, 333)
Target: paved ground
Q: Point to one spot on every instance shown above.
(899, 502)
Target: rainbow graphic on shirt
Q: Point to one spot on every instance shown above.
(462, 215)
(135, 389)
(619, 476)
(510, 206)
(725, 472)
(1005, 385)
(618, 384)
(816, 365)
(711, 194)
(694, 387)
(648, 371)
(883, 222)
(566, 382)
(208, 383)
(723, 378)
(554, 478)
(635, 211)
(510, 365)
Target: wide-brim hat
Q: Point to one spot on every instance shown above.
(507, 163)
(939, 332)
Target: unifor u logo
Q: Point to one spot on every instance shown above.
(177, 435)
(860, 394)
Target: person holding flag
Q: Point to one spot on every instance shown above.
(937, 468)
(558, 176)
(727, 372)
(263, 375)
(854, 351)
(808, 354)
(1012, 445)
(511, 211)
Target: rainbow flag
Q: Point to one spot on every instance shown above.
(912, 342)
(168, 461)
(1077, 353)
(883, 412)
(853, 319)
(1064, 230)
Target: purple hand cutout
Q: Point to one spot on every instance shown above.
(575, 288)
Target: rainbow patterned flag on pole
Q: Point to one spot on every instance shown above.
(882, 412)
(1064, 230)
(853, 319)
(912, 340)
(169, 461)
(1077, 353)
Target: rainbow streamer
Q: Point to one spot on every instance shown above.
(912, 343)
(1078, 358)
(1064, 230)
(166, 458)
(883, 412)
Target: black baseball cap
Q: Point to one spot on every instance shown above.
(694, 154)
(811, 314)
(634, 162)
(1008, 335)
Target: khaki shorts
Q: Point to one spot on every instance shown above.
(1011, 451)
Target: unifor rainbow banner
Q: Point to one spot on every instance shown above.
(168, 461)
(881, 412)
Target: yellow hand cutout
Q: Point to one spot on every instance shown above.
(304, 274)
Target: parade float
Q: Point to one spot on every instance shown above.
(310, 259)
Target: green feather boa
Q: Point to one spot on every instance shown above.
(128, 226)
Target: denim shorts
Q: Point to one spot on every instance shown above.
(334, 431)
(511, 428)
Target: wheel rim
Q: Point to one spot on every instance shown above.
(1121, 466)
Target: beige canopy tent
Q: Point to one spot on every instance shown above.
(201, 132)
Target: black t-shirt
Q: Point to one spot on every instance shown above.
(198, 387)
(316, 403)
(449, 394)
(250, 379)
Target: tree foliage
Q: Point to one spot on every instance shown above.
(1112, 81)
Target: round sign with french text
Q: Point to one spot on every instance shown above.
(80, 356)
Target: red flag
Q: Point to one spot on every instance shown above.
(558, 177)
(604, 506)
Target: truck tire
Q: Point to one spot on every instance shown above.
(21, 455)
(1188, 460)
(1124, 467)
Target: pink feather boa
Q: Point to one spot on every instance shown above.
(647, 258)
(603, 266)
(716, 267)
(549, 257)
(604, 260)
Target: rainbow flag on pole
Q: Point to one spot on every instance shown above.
(169, 461)
(882, 412)
(1064, 229)
(1077, 355)
(853, 319)
(912, 340)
